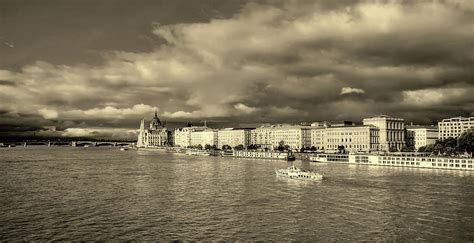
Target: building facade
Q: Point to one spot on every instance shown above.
(233, 137)
(353, 138)
(454, 127)
(204, 137)
(317, 137)
(391, 132)
(262, 136)
(182, 136)
(419, 136)
(156, 135)
(296, 137)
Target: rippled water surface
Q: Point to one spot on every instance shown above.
(65, 193)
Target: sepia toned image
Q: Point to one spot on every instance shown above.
(237, 120)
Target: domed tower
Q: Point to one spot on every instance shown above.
(155, 123)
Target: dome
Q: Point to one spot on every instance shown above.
(155, 123)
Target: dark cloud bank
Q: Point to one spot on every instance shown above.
(249, 63)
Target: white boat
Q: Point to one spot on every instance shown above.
(289, 156)
(327, 158)
(399, 159)
(227, 153)
(123, 149)
(198, 152)
(293, 172)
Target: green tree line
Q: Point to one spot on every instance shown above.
(463, 145)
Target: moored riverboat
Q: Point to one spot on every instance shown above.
(227, 153)
(198, 152)
(399, 159)
(329, 158)
(289, 156)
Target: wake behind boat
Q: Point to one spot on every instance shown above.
(294, 172)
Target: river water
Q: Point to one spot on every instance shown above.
(66, 193)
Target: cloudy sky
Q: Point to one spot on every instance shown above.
(95, 67)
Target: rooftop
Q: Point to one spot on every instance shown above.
(420, 127)
(458, 118)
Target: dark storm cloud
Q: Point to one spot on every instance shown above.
(267, 61)
(71, 32)
(6, 82)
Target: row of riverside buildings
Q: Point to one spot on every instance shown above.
(380, 133)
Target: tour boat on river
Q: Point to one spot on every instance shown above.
(294, 172)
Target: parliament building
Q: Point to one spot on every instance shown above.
(156, 135)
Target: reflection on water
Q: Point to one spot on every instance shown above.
(64, 193)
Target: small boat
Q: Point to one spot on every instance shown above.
(293, 172)
(123, 149)
(227, 153)
(290, 156)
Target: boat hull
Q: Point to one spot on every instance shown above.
(299, 174)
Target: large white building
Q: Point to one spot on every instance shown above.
(204, 137)
(317, 137)
(420, 136)
(391, 132)
(353, 138)
(182, 136)
(156, 135)
(454, 127)
(296, 137)
(233, 137)
(263, 136)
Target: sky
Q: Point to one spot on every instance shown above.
(95, 67)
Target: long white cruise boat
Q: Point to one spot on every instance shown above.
(198, 152)
(327, 158)
(263, 155)
(293, 172)
(418, 160)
